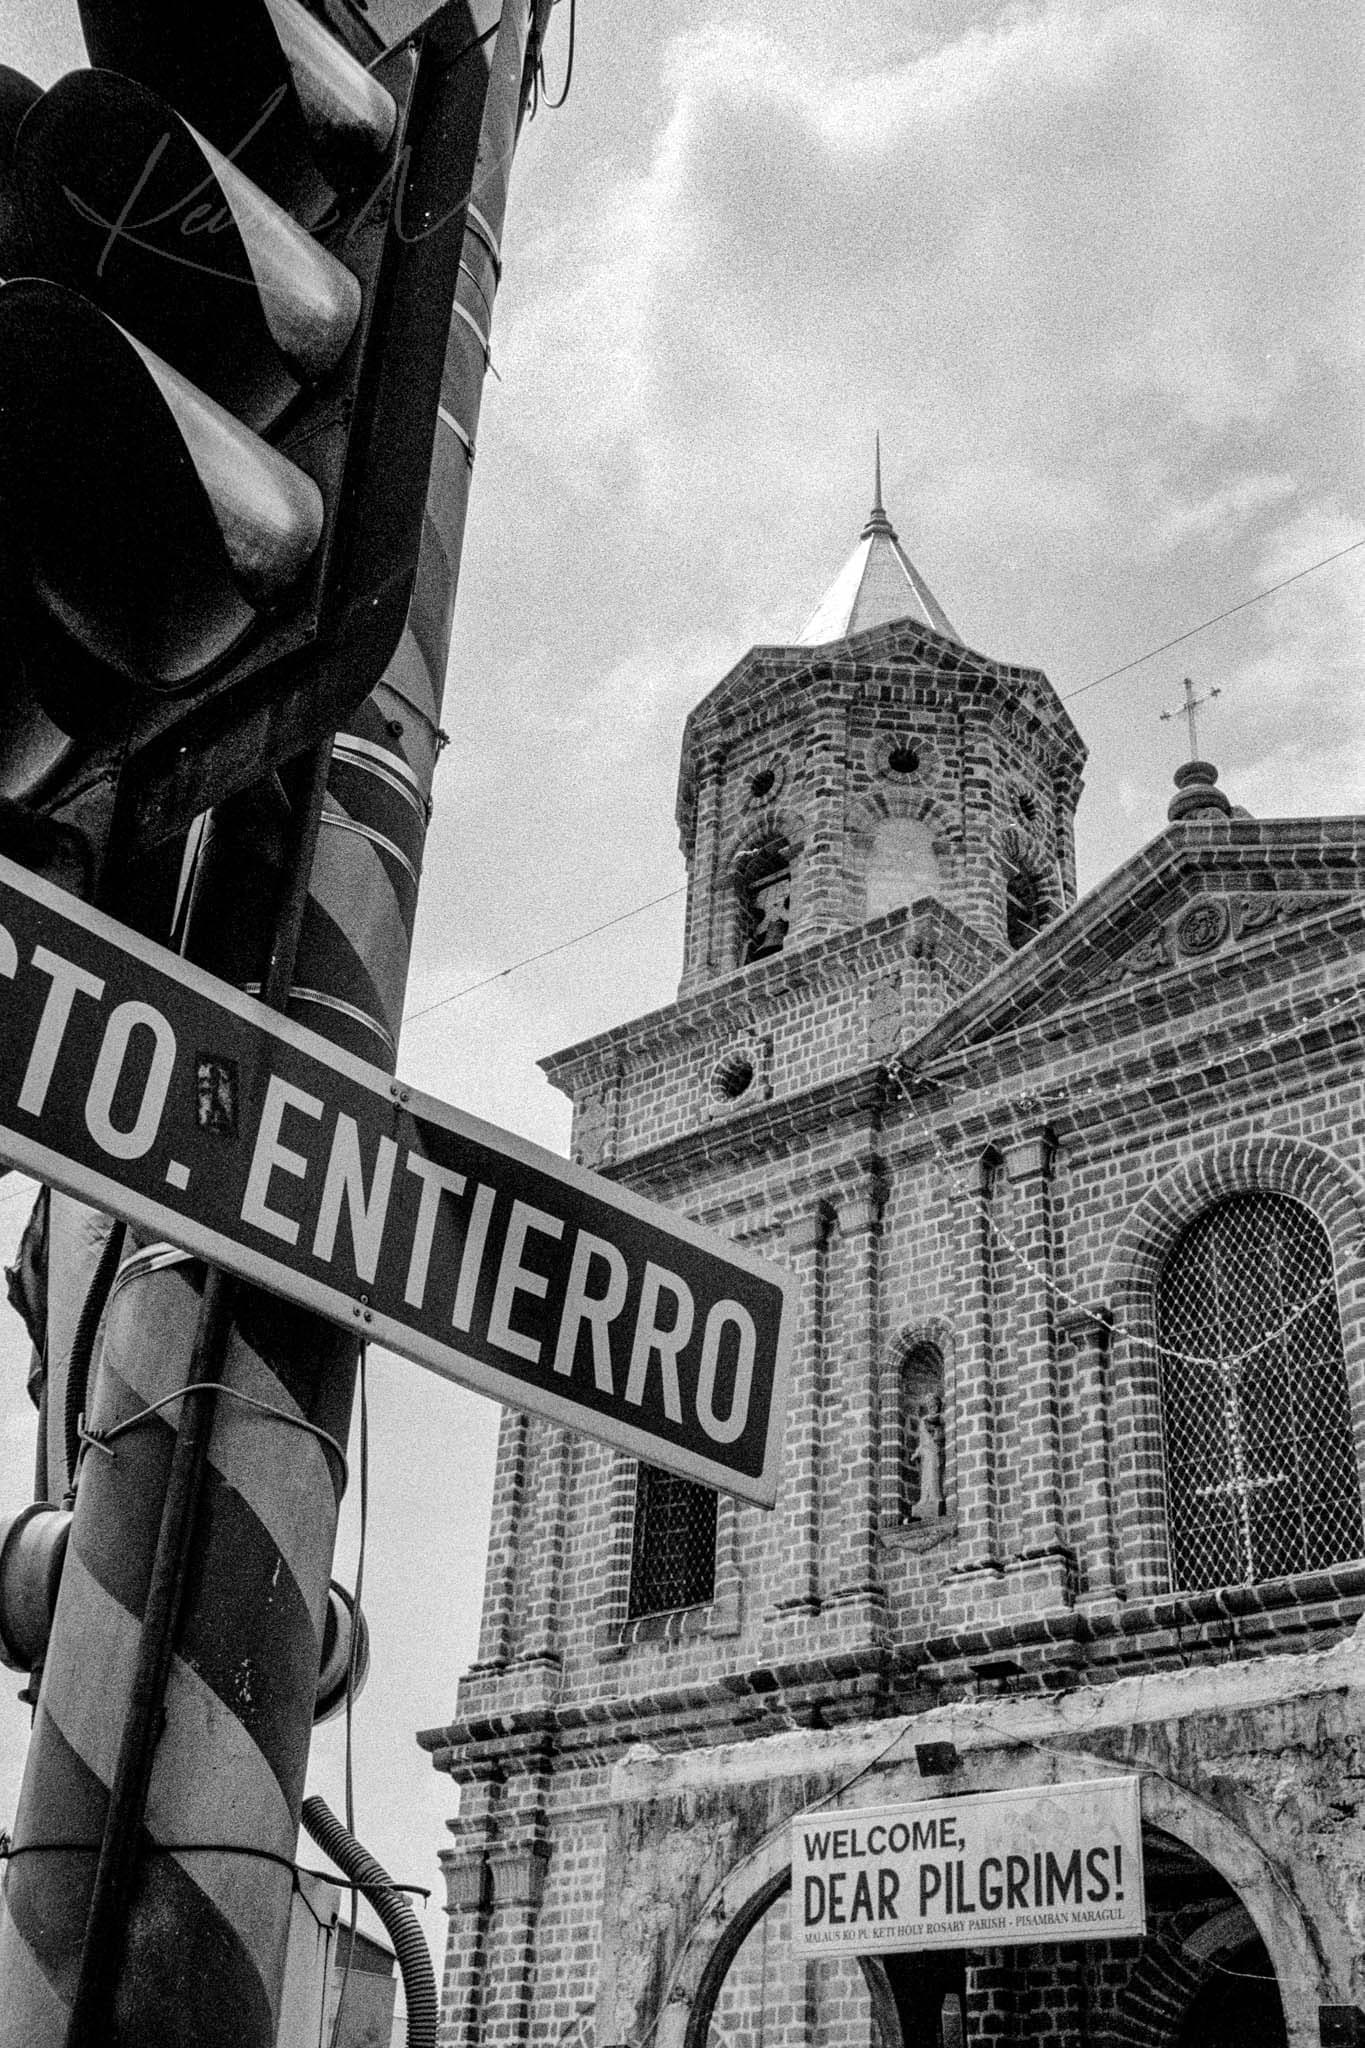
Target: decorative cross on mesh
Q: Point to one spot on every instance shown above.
(1261, 1470)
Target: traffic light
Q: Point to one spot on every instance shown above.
(230, 253)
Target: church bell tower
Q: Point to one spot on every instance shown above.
(874, 761)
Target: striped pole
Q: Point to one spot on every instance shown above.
(205, 1929)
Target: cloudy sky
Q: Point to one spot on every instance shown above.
(1094, 271)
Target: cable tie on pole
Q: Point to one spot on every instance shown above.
(101, 1439)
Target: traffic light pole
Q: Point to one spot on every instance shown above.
(116, 1865)
(208, 1780)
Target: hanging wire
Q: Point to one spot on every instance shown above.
(10, 1850)
(413, 1016)
(352, 1667)
(553, 106)
(897, 1070)
(1216, 620)
(563, 946)
(776, 1829)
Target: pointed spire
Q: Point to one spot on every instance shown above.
(878, 584)
(877, 521)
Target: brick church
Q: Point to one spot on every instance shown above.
(1071, 1486)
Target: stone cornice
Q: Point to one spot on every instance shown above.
(618, 1721)
(859, 1685)
(1052, 971)
(965, 1090)
(753, 995)
(851, 1103)
(1187, 999)
(763, 685)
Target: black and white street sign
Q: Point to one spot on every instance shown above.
(989, 1869)
(140, 1084)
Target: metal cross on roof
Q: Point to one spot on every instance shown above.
(1187, 711)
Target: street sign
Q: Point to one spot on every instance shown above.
(143, 1085)
(986, 1870)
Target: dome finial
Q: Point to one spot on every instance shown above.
(1196, 781)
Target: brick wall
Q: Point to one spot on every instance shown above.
(811, 750)
(949, 1147)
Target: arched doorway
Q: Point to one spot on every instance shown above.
(1239, 2005)
(1200, 1978)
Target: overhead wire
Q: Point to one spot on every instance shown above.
(352, 1676)
(1216, 620)
(412, 1016)
(563, 946)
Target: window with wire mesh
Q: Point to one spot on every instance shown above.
(673, 1555)
(1262, 1479)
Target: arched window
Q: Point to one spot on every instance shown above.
(673, 1552)
(765, 906)
(922, 1436)
(1261, 1470)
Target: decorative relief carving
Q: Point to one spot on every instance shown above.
(884, 1029)
(1199, 928)
(808, 1232)
(1149, 958)
(1252, 914)
(518, 1870)
(1203, 927)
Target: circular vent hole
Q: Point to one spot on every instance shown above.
(903, 759)
(732, 1077)
(764, 783)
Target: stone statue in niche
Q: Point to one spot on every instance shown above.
(924, 1437)
(593, 1125)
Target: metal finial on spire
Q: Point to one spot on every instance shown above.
(877, 520)
(877, 586)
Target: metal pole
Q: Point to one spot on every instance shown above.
(112, 1886)
(208, 1901)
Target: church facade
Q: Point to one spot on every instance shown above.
(1071, 1487)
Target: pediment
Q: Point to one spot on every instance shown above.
(1205, 925)
(1197, 897)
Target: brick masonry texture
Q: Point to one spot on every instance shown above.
(982, 1155)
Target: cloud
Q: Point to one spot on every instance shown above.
(1028, 250)
(1218, 515)
(1295, 707)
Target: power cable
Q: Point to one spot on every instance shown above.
(563, 946)
(1216, 620)
(553, 106)
(352, 1670)
(530, 959)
